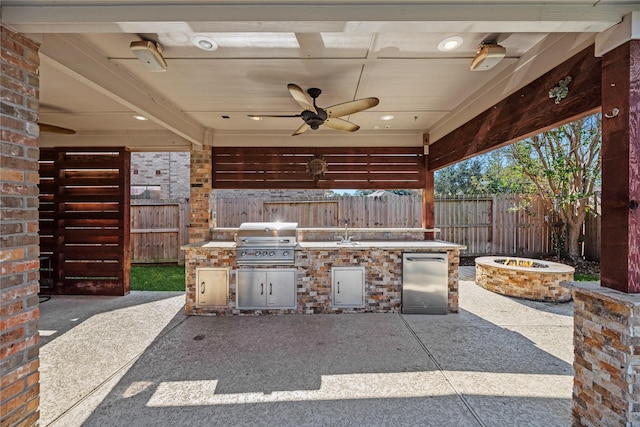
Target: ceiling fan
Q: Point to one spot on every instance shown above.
(47, 128)
(314, 116)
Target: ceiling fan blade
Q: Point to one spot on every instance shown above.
(351, 107)
(302, 129)
(47, 128)
(273, 115)
(341, 124)
(301, 97)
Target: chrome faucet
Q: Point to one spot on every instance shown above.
(346, 238)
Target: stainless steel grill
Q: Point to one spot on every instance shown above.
(266, 243)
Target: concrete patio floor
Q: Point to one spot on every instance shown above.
(139, 361)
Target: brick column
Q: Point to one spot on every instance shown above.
(19, 250)
(199, 194)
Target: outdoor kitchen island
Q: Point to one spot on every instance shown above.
(329, 272)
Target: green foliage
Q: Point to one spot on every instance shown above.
(464, 178)
(157, 278)
(491, 173)
(580, 277)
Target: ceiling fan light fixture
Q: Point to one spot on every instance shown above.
(450, 43)
(150, 54)
(205, 43)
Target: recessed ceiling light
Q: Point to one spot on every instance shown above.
(139, 117)
(450, 43)
(387, 117)
(205, 43)
(255, 118)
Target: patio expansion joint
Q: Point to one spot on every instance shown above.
(444, 375)
(126, 366)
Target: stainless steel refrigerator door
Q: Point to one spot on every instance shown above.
(425, 283)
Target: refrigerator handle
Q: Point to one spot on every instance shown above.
(425, 259)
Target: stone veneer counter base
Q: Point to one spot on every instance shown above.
(314, 261)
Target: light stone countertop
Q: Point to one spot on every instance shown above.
(212, 244)
(382, 244)
(364, 244)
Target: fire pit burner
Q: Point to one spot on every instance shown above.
(520, 262)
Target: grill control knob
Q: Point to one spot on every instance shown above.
(243, 253)
(258, 253)
(265, 253)
(272, 253)
(285, 253)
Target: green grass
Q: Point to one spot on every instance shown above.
(157, 278)
(579, 277)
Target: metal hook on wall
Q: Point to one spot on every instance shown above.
(613, 113)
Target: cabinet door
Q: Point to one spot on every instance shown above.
(251, 289)
(347, 284)
(212, 287)
(281, 288)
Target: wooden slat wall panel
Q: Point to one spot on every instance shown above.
(85, 219)
(46, 220)
(347, 168)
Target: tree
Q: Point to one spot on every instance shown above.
(491, 173)
(464, 178)
(564, 166)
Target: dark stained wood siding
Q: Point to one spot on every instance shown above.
(526, 112)
(348, 168)
(620, 257)
(85, 219)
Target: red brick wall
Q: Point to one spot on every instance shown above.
(19, 250)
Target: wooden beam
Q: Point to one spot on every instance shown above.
(620, 258)
(526, 112)
(428, 205)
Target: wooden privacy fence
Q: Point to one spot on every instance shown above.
(158, 230)
(492, 225)
(388, 211)
(485, 224)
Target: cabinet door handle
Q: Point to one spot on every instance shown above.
(270, 288)
(261, 288)
(338, 287)
(202, 288)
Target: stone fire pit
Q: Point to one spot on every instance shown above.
(524, 278)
